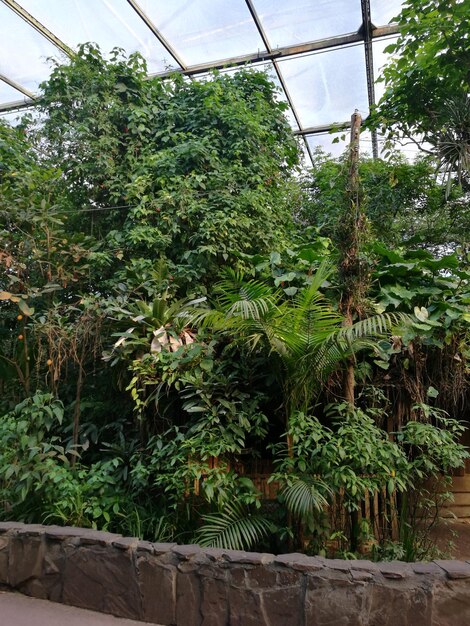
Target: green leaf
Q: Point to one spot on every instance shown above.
(291, 291)
(275, 258)
(234, 528)
(432, 392)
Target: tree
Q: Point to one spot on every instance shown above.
(120, 209)
(302, 337)
(195, 172)
(119, 177)
(429, 363)
(39, 255)
(427, 81)
(404, 202)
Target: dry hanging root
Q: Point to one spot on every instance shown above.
(66, 342)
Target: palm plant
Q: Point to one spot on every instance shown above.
(304, 336)
(305, 495)
(234, 528)
(305, 340)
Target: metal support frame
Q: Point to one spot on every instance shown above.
(36, 24)
(17, 105)
(324, 128)
(17, 86)
(367, 30)
(169, 48)
(267, 45)
(366, 34)
(285, 51)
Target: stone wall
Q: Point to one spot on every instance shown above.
(188, 586)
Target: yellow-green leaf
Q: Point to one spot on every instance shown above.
(27, 310)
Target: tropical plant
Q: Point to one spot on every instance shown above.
(30, 449)
(124, 181)
(305, 496)
(431, 443)
(428, 363)
(426, 81)
(345, 460)
(404, 202)
(302, 336)
(146, 161)
(235, 528)
(122, 206)
(37, 480)
(354, 456)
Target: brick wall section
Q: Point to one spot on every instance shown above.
(186, 585)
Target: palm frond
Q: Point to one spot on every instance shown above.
(305, 496)
(373, 327)
(453, 141)
(246, 299)
(234, 528)
(321, 354)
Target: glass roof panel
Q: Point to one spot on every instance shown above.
(324, 87)
(383, 11)
(23, 51)
(365, 143)
(109, 23)
(300, 21)
(305, 154)
(9, 94)
(327, 87)
(324, 141)
(206, 30)
(281, 94)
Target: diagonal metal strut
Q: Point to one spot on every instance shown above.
(36, 24)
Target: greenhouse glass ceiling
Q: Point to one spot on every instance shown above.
(325, 55)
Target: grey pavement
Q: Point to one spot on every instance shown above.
(18, 610)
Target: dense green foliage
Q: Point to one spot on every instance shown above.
(171, 318)
(427, 83)
(193, 172)
(403, 201)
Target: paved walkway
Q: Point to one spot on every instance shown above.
(18, 610)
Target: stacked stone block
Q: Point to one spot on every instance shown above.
(185, 585)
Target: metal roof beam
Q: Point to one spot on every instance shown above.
(148, 22)
(41, 29)
(17, 86)
(286, 51)
(324, 128)
(259, 26)
(264, 37)
(17, 105)
(294, 111)
(367, 30)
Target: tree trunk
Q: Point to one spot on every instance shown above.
(350, 253)
(77, 410)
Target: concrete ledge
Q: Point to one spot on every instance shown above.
(177, 585)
